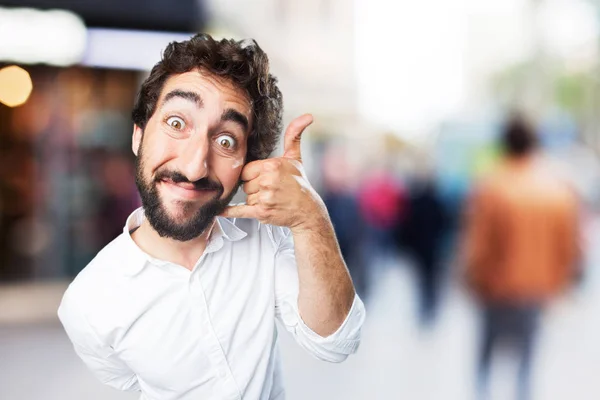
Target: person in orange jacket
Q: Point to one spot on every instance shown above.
(521, 247)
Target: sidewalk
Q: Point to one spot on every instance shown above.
(395, 361)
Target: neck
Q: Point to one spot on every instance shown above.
(521, 158)
(185, 254)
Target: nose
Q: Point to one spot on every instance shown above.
(193, 161)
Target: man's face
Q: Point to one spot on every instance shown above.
(191, 153)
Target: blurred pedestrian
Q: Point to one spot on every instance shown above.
(521, 248)
(421, 235)
(340, 198)
(381, 201)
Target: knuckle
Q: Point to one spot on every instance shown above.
(263, 213)
(265, 181)
(266, 197)
(252, 200)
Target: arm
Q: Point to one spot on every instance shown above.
(476, 240)
(334, 347)
(99, 358)
(568, 243)
(279, 194)
(326, 292)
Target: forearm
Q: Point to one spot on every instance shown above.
(326, 291)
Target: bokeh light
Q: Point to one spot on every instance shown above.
(15, 86)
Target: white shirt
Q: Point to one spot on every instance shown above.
(143, 324)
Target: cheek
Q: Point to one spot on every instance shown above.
(238, 163)
(229, 171)
(157, 150)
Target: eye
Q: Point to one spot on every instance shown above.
(176, 123)
(226, 142)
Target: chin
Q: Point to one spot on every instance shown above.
(181, 209)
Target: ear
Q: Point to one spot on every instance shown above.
(136, 139)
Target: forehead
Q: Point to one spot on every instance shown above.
(211, 88)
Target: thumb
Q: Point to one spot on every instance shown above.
(241, 211)
(293, 134)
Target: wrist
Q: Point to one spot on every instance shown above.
(317, 221)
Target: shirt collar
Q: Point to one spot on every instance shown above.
(230, 230)
(137, 258)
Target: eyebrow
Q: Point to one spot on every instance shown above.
(182, 94)
(237, 117)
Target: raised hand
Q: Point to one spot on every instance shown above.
(278, 191)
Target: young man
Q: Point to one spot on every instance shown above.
(182, 305)
(521, 249)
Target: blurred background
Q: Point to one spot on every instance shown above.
(409, 98)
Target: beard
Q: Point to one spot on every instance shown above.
(158, 215)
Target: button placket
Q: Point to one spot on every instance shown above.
(213, 347)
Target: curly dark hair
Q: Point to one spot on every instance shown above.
(242, 62)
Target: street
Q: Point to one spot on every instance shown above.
(395, 361)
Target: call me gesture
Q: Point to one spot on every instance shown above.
(279, 194)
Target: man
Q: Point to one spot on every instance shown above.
(521, 248)
(182, 305)
(422, 235)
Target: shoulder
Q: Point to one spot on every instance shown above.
(100, 278)
(484, 186)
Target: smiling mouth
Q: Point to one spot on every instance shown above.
(185, 190)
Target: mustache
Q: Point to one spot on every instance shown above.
(177, 177)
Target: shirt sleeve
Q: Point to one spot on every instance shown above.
(99, 358)
(333, 348)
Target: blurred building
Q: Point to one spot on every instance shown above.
(311, 48)
(66, 168)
